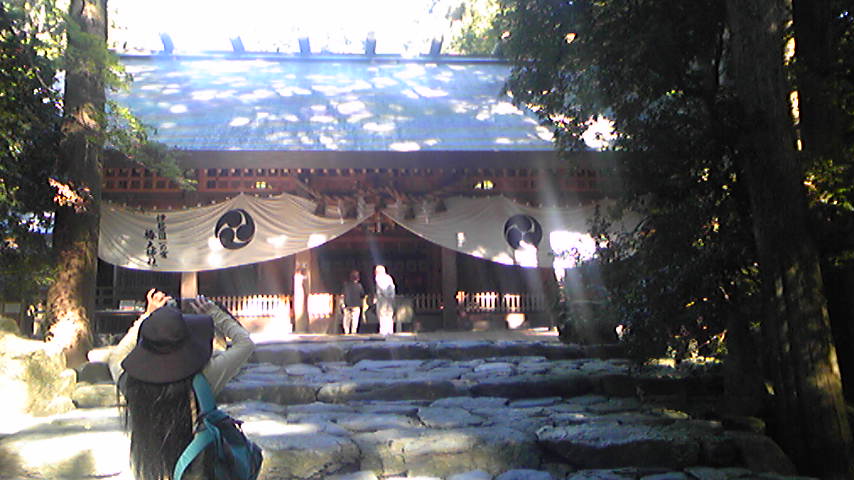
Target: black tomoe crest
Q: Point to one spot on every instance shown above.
(235, 229)
(519, 228)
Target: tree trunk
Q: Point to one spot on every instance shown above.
(743, 385)
(820, 114)
(810, 410)
(71, 299)
(821, 131)
(838, 285)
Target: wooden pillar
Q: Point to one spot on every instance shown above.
(318, 322)
(302, 288)
(317, 284)
(269, 277)
(189, 284)
(551, 290)
(449, 289)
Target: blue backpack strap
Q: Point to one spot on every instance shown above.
(203, 438)
(204, 394)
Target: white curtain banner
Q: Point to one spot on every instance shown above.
(502, 230)
(242, 230)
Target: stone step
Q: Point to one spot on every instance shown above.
(575, 438)
(508, 377)
(292, 373)
(391, 348)
(444, 410)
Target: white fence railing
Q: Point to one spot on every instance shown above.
(247, 306)
(276, 312)
(427, 302)
(323, 304)
(493, 302)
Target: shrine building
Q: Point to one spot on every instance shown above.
(319, 165)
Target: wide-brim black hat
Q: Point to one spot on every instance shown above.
(171, 346)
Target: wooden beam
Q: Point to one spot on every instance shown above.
(363, 160)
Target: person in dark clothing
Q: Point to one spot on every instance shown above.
(154, 365)
(354, 295)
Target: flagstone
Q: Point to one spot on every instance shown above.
(535, 402)
(666, 476)
(283, 354)
(617, 404)
(587, 399)
(617, 384)
(533, 368)
(303, 370)
(494, 368)
(360, 475)
(79, 443)
(525, 474)
(389, 351)
(525, 386)
(472, 475)
(394, 407)
(302, 453)
(282, 393)
(94, 372)
(453, 417)
(366, 422)
(470, 403)
(606, 474)
(444, 373)
(444, 452)
(99, 395)
(405, 365)
(406, 389)
(503, 409)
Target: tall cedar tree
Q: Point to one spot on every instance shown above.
(71, 299)
(808, 392)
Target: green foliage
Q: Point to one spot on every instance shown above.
(830, 181)
(127, 134)
(656, 68)
(830, 186)
(119, 129)
(29, 142)
(474, 32)
(33, 58)
(585, 311)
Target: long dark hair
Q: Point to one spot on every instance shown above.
(160, 421)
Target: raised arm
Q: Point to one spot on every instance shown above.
(223, 366)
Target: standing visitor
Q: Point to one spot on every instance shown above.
(154, 365)
(385, 300)
(354, 295)
(300, 299)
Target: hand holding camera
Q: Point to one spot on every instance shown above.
(200, 304)
(156, 299)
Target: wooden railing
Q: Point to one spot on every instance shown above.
(492, 302)
(257, 305)
(323, 304)
(259, 309)
(427, 302)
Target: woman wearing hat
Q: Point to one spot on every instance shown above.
(154, 365)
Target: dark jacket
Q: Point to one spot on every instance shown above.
(353, 294)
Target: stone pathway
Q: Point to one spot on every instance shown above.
(464, 409)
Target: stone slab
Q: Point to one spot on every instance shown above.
(342, 392)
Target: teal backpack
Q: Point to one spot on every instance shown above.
(235, 457)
